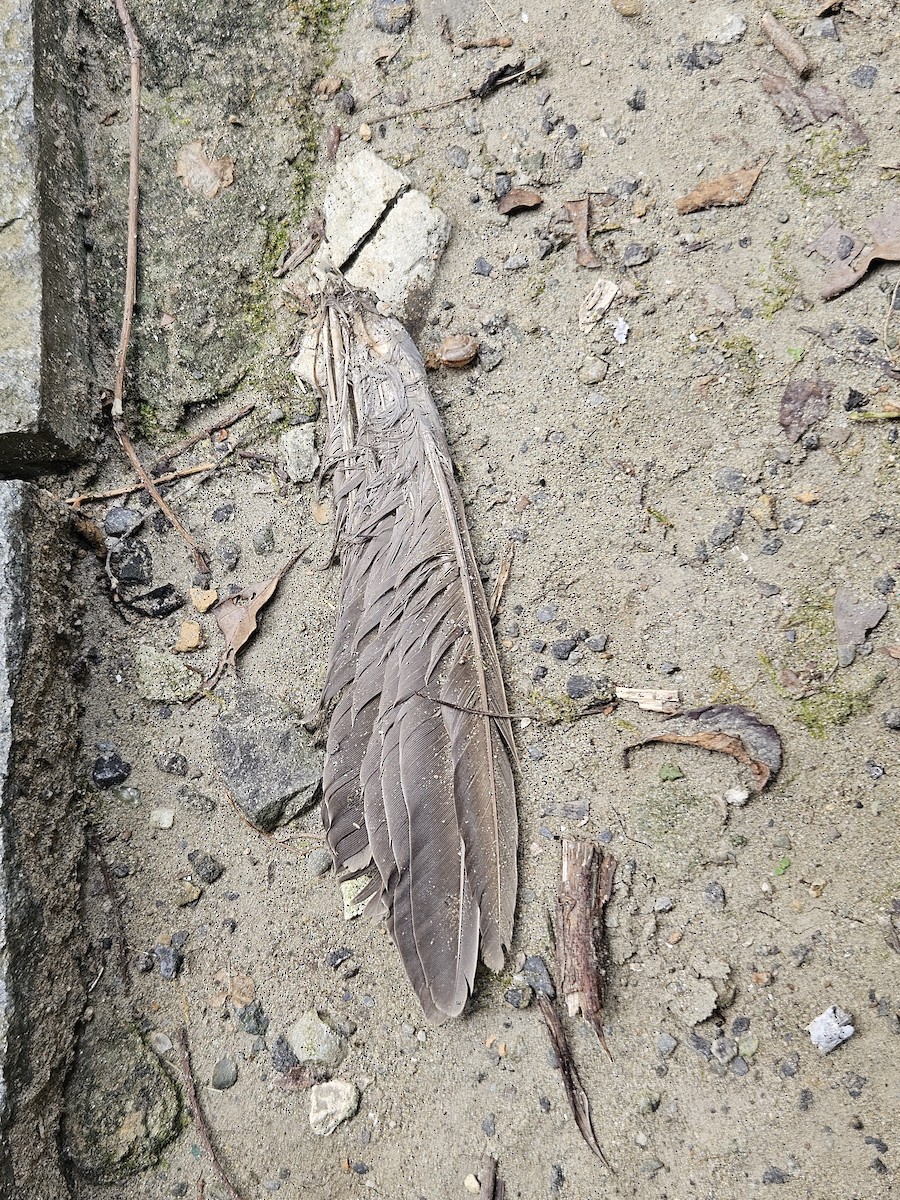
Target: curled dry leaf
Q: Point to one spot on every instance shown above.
(728, 729)
(804, 402)
(518, 198)
(579, 214)
(458, 350)
(724, 191)
(810, 106)
(236, 617)
(200, 174)
(237, 990)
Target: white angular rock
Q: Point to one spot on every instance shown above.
(297, 450)
(330, 1104)
(359, 192)
(830, 1028)
(399, 263)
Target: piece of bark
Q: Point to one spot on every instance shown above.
(584, 891)
(518, 198)
(725, 191)
(661, 700)
(813, 106)
(805, 401)
(492, 1188)
(579, 214)
(786, 44)
(577, 1097)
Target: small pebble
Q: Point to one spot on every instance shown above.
(635, 255)
(224, 1074)
(597, 644)
(562, 648)
(578, 687)
(391, 16)
(162, 818)
(714, 895)
(206, 868)
(228, 553)
(482, 266)
(637, 101)
(169, 959)
(535, 973)
(472, 1186)
(666, 1044)
(457, 157)
(863, 77)
(264, 540)
(318, 862)
(891, 719)
(109, 770)
(547, 613)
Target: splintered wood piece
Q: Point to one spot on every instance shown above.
(579, 1104)
(579, 214)
(786, 44)
(584, 892)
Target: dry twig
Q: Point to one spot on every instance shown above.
(575, 1093)
(131, 488)
(184, 1056)
(506, 562)
(93, 841)
(188, 443)
(786, 44)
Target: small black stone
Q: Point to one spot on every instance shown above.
(336, 958)
(537, 976)
(866, 337)
(206, 868)
(283, 1057)
(562, 648)
(700, 57)
(880, 1146)
(518, 997)
(635, 255)
(223, 513)
(252, 1019)
(172, 764)
(637, 101)
(885, 584)
(131, 561)
(540, 672)
(578, 687)
(109, 770)
(863, 77)
(740, 1025)
(169, 960)
(775, 1175)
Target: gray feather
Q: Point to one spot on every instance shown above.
(418, 788)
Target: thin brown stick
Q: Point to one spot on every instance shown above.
(577, 1097)
(506, 562)
(134, 150)
(131, 488)
(186, 536)
(93, 841)
(184, 1055)
(224, 423)
(786, 44)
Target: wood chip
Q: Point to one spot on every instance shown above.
(579, 215)
(596, 303)
(517, 199)
(786, 44)
(584, 891)
(661, 700)
(724, 191)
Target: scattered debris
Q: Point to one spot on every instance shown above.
(584, 891)
(202, 175)
(853, 618)
(805, 401)
(727, 729)
(811, 106)
(579, 215)
(661, 700)
(621, 329)
(575, 1094)
(237, 615)
(523, 68)
(830, 1028)
(786, 44)
(726, 190)
(517, 199)
(596, 303)
(457, 350)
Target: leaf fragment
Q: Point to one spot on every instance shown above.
(517, 199)
(853, 619)
(846, 276)
(237, 616)
(200, 174)
(726, 729)
(812, 106)
(804, 402)
(724, 191)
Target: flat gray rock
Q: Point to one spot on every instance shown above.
(43, 376)
(268, 761)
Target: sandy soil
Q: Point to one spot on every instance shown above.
(617, 496)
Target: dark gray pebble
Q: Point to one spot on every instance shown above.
(863, 77)
(264, 540)
(574, 158)
(730, 479)
(223, 513)
(740, 1025)
(169, 960)
(283, 1057)
(598, 643)
(578, 687)
(345, 102)
(547, 613)
(172, 764)
(562, 648)
(775, 1175)
(714, 895)
(702, 1045)
(880, 1146)
(700, 57)
(337, 958)
(489, 1125)
(544, 1103)
(557, 1179)
(772, 546)
(228, 553)
(635, 255)
(738, 1066)
(538, 646)
(518, 997)
(891, 719)
(792, 524)
(225, 1073)
(790, 1066)
(206, 868)
(805, 1100)
(109, 770)
(457, 157)
(885, 584)
(391, 16)
(502, 185)
(637, 101)
(668, 668)
(119, 522)
(162, 601)
(540, 672)
(482, 266)
(180, 938)
(537, 976)
(721, 533)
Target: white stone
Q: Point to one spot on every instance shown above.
(737, 796)
(359, 192)
(162, 818)
(350, 889)
(330, 1104)
(732, 29)
(297, 450)
(314, 1041)
(830, 1028)
(399, 263)
(471, 1184)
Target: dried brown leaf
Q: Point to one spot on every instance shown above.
(842, 278)
(579, 213)
(517, 199)
(328, 87)
(726, 729)
(237, 615)
(804, 402)
(724, 191)
(892, 651)
(239, 990)
(200, 174)
(812, 106)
